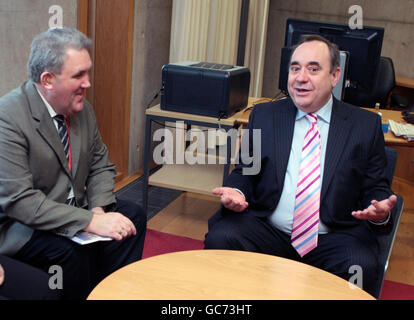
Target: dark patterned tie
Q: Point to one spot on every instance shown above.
(63, 133)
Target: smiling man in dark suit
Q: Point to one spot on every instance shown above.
(322, 192)
(55, 175)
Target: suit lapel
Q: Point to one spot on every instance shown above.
(284, 125)
(339, 130)
(44, 124)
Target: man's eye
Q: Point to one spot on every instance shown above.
(79, 75)
(294, 69)
(313, 69)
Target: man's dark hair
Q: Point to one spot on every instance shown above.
(333, 48)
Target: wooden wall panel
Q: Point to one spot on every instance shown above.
(110, 25)
(83, 11)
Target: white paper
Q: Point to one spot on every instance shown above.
(85, 237)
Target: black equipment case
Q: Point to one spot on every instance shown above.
(203, 88)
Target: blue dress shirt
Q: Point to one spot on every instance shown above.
(282, 217)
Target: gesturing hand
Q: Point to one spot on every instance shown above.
(231, 199)
(378, 210)
(1, 275)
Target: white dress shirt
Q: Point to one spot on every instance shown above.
(53, 113)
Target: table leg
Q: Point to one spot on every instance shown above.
(147, 143)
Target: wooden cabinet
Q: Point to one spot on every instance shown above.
(405, 163)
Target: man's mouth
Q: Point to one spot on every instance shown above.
(79, 93)
(302, 89)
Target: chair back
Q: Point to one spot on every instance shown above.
(384, 83)
(391, 155)
(386, 240)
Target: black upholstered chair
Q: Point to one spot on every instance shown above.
(386, 240)
(384, 84)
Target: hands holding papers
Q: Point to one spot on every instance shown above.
(106, 226)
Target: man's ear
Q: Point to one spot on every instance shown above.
(335, 76)
(47, 80)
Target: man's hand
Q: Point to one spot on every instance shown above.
(231, 199)
(377, 211)
(1, 275)
(111, 224)
(98, 210)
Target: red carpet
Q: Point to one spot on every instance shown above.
(159, 242)
(397, 291)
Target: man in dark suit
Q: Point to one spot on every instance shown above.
(55, 176)
(259, 211)
(20, 281)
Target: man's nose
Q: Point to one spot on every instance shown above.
(86, 83)
(302, 75)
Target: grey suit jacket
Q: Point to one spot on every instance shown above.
(34, 176)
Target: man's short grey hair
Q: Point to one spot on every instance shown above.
(48, 50)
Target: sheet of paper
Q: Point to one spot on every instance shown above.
(87, 237)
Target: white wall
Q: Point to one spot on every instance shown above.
(20, 21)
(396, 16)
(152, 30)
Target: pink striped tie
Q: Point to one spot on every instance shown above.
(306, 218)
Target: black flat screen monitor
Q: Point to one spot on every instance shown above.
(363, 45)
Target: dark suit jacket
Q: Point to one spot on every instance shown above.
(34, 176)
(355, 161)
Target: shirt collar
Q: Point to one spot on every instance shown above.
(323, 113)
(49, 108)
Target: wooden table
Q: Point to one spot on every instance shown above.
(405, 161)
(390, 138)
(223, 274)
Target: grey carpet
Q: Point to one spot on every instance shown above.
(158, 198)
